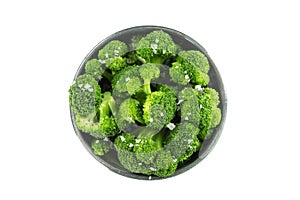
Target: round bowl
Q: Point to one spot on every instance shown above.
(110, 160)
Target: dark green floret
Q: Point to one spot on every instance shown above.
(156, 47)
(100, 147)
(111, 54)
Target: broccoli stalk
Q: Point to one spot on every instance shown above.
(107, 110)
(148, 72)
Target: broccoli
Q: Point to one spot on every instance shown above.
(126, 82)
(148, 72)
(84, 95)
(129, 113)
(190, 66)
(111, 54)
(94, 68)
(156, 47)
(145, 155)
(92, 113)
(159, 107)
(200, 108)
(183, 141)
(107, 110)
(150, 98)
(100, 147)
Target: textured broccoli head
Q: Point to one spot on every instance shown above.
(84, 95)
(128, 114)
(149, 72)
(179, 74)
(191, 66)
(164, 164)
(112, 53)
(183, 141)
(146, 149)
(94, 68)
(100, 147)
(124, 144)
(126, 81)
(159, 108)
(195, 59)
(210, 115)
(145, 155)
(156, 47)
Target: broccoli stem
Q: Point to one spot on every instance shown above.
(107, 105)
(157, 59)
(146, 86)
(107, 75)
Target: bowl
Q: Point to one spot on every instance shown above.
(110, 159)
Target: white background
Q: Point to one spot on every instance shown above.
(255, 45)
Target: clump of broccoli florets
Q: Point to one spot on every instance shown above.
(156, 47)
(190, 66)
(150, 99)
(111, 54)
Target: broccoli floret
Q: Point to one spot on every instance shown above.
(179, 74)
(156, 47)
(100, 147)
(210, 114)
(148, 72)
(191, 66)
(126, 81)
(84, 95)
(94, 68)
(107, 110)
(129, 113)
(183, 141)
(145, 154)
(201, 109)
(159, 108)
(111, 54)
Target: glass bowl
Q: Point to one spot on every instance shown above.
(110, 159)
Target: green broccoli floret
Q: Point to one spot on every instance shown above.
(111, 54)
(159, 108)
(179, 74)
(183, 141)
(156, 47)
(201, 109)
(107, 111)
(210, 114)
(148, 72)
(84, 95)
(100, 123)
(94, 68)
(100, 147)
(145, 154)
(191, 66)
(126, 81)
(128, 114)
